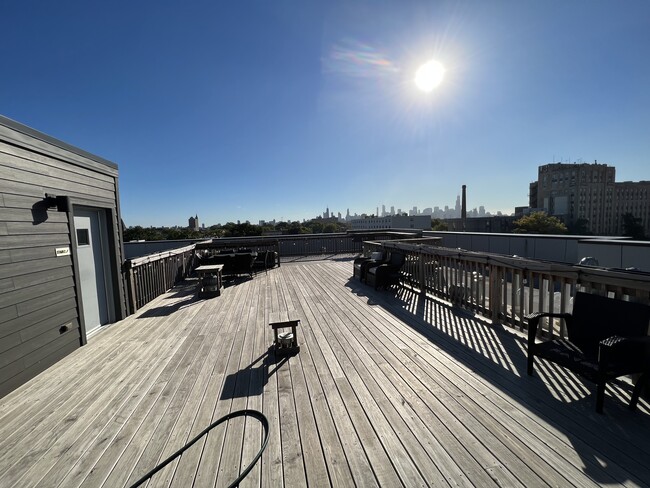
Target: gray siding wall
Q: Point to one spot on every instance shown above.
(37, 289)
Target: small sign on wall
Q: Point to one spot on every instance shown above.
(62, 251)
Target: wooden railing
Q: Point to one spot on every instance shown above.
(313, 244)
(507, 288)
(150, 276)
(304, 244)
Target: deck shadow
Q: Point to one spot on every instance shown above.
(185, 295)
(498, 355)
(182, 289)
(251, 380)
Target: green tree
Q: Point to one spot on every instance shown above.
(438, 224)
(216, 230)
(282, 226)
(296, 228)
(633, 227)
(539, 223)
(134, 233)
(266, 229)
(242, 229)
(174, 234)
(152, 234)
(315, 226)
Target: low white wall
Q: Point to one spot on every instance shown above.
(138, 249)
(565, 249)
(618, 254)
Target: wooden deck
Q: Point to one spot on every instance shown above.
(386, 391)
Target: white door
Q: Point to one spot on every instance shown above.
(91, 249)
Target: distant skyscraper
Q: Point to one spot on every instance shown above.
(194, 223)
(392, 210)
(383, 210)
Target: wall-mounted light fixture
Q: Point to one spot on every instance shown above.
(62, 203)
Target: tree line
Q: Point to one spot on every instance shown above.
(232, 229)
(542, 223)
(534, 223)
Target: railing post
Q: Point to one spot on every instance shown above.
(133, 305)
(164, 266)
(495, 296)
(132, 291)
(423, 283)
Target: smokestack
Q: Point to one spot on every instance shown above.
(463, 208)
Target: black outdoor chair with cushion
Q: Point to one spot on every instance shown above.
(261, 260)
(607, 338)
(225, 259)
(243, 263)
(362, 264)
(228, 261)
(386, 274)
(265, 260)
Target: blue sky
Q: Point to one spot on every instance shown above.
(254, 110)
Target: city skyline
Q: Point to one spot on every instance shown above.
(585, 196)
(435, 212)
(269, 110)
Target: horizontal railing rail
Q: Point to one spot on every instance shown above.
(313, 244)
(254, 244)
(305, 244)
(506, 288)
(150, 276)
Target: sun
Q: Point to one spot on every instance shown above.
(429, 75)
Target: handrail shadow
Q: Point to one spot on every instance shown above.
(498, 355)
(184, 293)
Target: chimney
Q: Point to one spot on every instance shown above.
(463, 208)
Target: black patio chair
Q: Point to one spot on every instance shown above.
(607, 338)
(387, 274)
(362, 264)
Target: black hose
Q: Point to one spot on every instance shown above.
(253, 413)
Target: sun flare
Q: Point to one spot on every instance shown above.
(429, 75)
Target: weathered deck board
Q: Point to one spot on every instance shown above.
(386, 390)
(398, 395)
(401, 446)
(448, 412)
(183, 471)
(577, 426)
